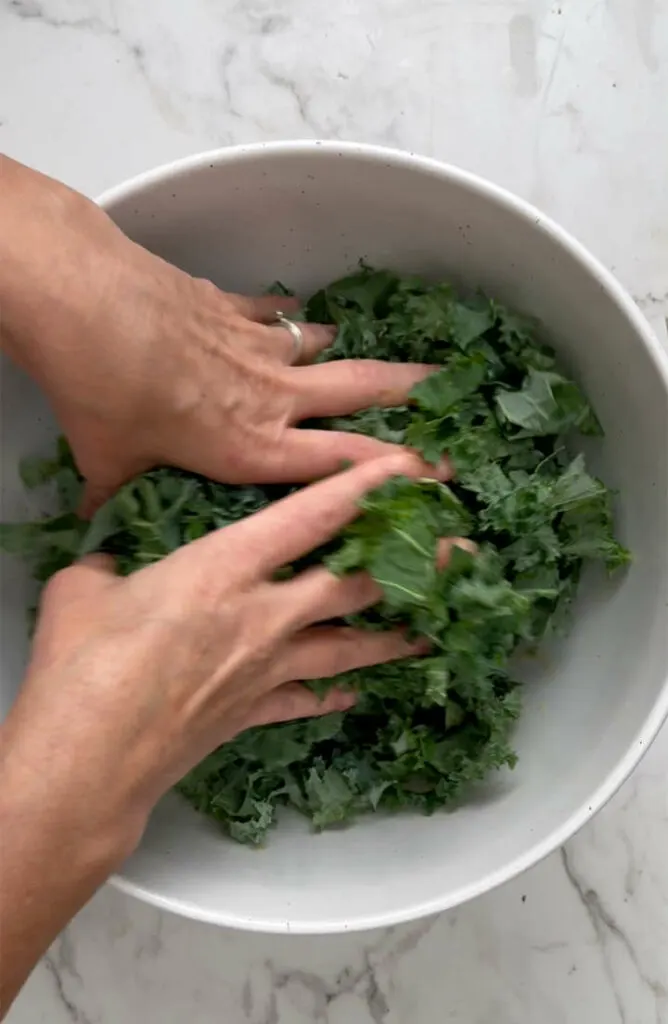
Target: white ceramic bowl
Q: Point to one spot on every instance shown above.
(305, 213)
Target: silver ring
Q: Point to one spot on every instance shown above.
(296, 334)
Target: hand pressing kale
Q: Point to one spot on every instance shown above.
(146, 365)
(422, 731)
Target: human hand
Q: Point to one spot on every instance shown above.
(145, 365)
(134, 680)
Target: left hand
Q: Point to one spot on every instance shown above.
(146, 365)
(133, 680)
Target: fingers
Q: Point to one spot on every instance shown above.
(277, 337)
(262, 308)
(314, 339)
(347, 385)
(325, 651)
(322, 652)
(292, 700)
(306, 455)
(317, 595)
(301, 522)
(446, 544)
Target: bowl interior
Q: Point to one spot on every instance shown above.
(305, 214)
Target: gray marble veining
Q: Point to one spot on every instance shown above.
(564, 102)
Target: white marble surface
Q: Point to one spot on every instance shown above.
(566, 103)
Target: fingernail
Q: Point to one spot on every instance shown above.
(465, 545)
(445, 546)
(344, 701)
(444, 470)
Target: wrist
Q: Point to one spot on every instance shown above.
(51, 268)
(51, 798)
(58, 847)
(32, 209)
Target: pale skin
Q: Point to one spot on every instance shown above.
(145, 365)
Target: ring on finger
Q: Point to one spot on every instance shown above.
(295, 332)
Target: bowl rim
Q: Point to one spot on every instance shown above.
(650, 728)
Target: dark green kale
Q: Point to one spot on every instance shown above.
(423, 730)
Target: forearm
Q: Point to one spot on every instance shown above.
(54, 852)
(37, 261)
(62, 285)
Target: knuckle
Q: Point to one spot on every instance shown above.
(353, 592)
(292, 703)
(371, 371)
(401, 462)
(332, 589)
(61, 580)
(61, 586)
(363, 588)
(345, 651)
(350, 637)
(208, 290)
(320, 334)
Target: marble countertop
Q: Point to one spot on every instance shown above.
(563, 102)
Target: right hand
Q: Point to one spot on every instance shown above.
(134, 680)
(147, 366)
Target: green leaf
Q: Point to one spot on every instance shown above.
(575, 486)
(404, 564)
(586, 531)
(441, 392)
(35, 471)
(547, 403)
(253, 831)
(330, 798)
(469, 321)
(19, 538)
(104, 524)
